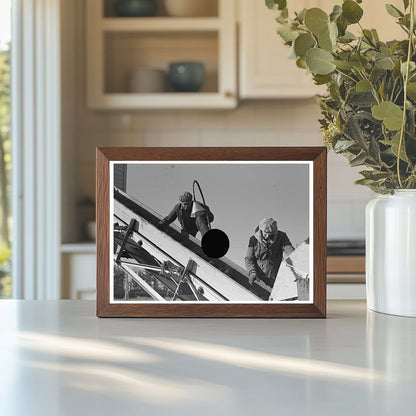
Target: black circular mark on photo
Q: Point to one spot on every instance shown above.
(215, 243)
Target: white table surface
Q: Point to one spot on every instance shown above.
(57, 358)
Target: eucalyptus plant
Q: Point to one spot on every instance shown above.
(369, 111)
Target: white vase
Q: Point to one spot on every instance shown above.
(391, 253)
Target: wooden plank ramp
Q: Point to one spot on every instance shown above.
(229, 280)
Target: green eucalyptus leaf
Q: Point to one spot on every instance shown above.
(411, 90)
(336, 12)
(374, 174)
(344, 65)
(316, 20)
(358, 61)
(321, 79)
(412, 67)
(301, 15)
(343, 145)
(406, 4)
(287, 33)
(276, 4)
(281, 19)
(385, 50)
(303, 43)
(377, 75)
(374, 151)
(282, 4)
(384, 62)
(333, 32)
(361, 100)
(391, 114)
(368, 36)
(365, 182)
(358, 160)
(347, 37)
(342, 25)
(405, 21)
(325, 42)
(351, 11)
(319, 61)
(382, 89)
(301, 63)
(285, 13)
(394, 145)
(375, 35)
(354, 132)
(334, 91)
(363, 86)
(393, 11)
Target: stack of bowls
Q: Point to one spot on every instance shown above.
(147, 80)
(191, 8)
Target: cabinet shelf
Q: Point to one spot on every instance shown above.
(198, 100)
(160, 24)
(117, 46)
(80, 247)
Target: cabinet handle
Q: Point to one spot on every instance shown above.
(229, 94)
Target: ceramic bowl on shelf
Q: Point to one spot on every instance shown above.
(191, 8)
(135, 8)
(186, 76)
(147, 80)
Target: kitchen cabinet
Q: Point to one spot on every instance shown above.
(346, 277)
(118, 45)
(265, 70)
(78, 263)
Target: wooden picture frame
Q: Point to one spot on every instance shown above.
(205, 286)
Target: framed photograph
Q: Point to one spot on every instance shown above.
(211, 232)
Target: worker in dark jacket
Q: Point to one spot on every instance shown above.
(190, 224)
(265, 252)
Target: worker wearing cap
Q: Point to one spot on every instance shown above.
(265, 252)
(190, 224)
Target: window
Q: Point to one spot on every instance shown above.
(5, 147)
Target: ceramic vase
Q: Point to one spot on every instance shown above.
(391, 253)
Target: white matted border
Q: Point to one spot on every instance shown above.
(212, 162)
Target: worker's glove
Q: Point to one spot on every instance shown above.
(252, 277)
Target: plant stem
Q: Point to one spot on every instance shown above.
(373, 88)
(346, 75)
(392, 91)
(406, 79)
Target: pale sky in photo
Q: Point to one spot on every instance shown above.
(239, 195)
(5, 20)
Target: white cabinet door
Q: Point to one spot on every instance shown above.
(78, 276)
(265, 68)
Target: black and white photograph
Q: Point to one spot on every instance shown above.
(211, 232)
